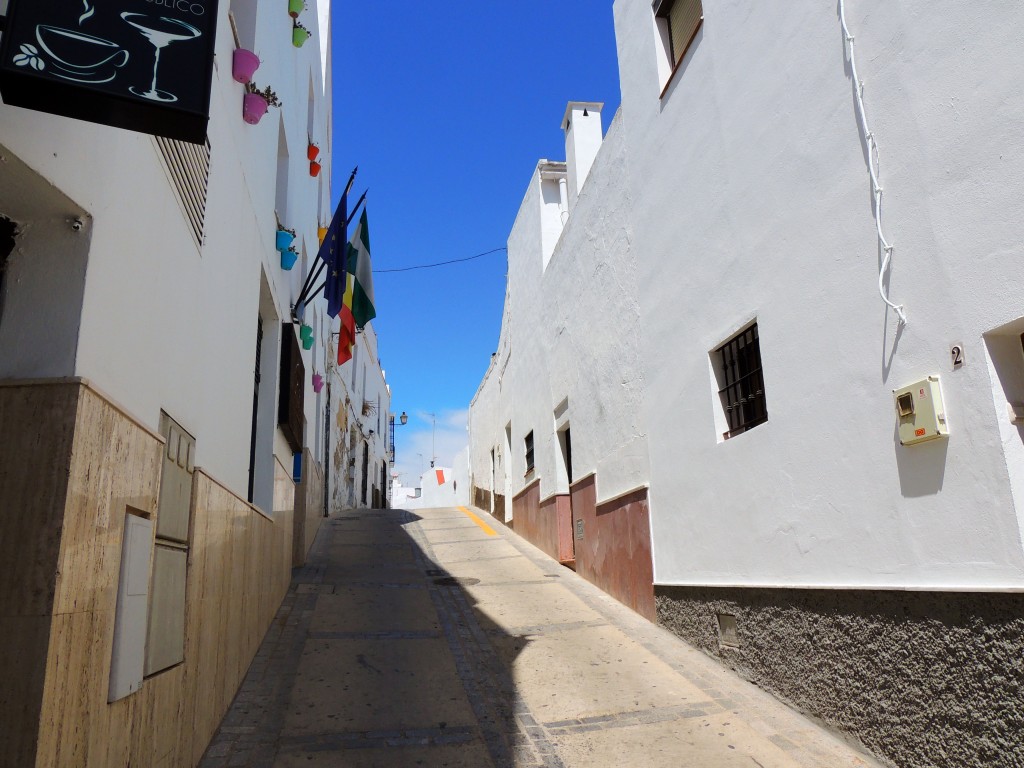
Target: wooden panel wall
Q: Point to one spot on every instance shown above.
(239, 571)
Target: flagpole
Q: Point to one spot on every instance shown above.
(311, 278)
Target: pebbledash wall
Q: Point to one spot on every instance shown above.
(112, 313)
(877, 586)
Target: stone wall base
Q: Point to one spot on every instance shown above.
(922, 679)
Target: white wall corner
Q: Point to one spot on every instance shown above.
(583, 137)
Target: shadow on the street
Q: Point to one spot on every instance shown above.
(383, 552)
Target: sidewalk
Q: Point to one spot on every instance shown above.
(432, 639)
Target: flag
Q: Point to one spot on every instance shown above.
(358, 257)
(344, 350)
(333, 251)
(347, 336)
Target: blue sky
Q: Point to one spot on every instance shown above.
(446, 108)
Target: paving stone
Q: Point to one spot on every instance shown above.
(369, 662)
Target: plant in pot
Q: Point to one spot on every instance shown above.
(299, 35)
(288, 258)
(284, 238)
(244, 64)
(256, 102)
(295, 7)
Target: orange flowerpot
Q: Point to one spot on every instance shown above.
(322, 233)
(314, 168)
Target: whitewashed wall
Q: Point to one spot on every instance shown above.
(359, 380)
(432, 494)
(743, 194)
(569, 335)
(164, 324)
(752, 200)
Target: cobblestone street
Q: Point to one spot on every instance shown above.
(433, 639)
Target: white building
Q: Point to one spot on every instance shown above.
(155, 388)
(767, 511)
(361, 454)
(437, 487)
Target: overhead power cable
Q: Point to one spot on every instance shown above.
(440, 263)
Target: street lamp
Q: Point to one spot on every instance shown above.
(433, 436)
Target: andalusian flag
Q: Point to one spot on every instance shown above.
(359, 267)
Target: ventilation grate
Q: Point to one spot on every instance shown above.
(188, 166)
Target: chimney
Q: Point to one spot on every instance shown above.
(583, 136)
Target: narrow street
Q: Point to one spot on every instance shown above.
(436, 639)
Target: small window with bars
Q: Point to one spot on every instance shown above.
(678, 23)
(528, 444)
(742, 382)
(188, 167)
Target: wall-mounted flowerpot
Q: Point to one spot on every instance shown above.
(306, 332)
(295, 7)
(321, 232)
(318, 382)
(288, 259)
(254, 107)
(312, 151)
(314, 169)
(307, 343)
(283, 240)
(299, 36)
(244, 64)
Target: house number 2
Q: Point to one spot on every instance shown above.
(956, 353)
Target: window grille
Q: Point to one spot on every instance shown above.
(684, 18)
(743, 394)
(188, 166)
(529, 451)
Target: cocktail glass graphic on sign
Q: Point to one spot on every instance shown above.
(74, 55)
(161, 32)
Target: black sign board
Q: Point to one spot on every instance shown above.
(144, 65)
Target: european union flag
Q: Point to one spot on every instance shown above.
(333, 251)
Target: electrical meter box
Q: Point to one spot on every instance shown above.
(920, 414)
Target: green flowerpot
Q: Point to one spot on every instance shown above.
(295, 7)
(299, 37)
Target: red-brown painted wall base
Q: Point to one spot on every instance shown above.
(534, 521)
(615, 550)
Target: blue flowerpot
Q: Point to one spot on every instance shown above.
(288, 259)
(284, 239)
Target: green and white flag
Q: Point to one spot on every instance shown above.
(359, 267)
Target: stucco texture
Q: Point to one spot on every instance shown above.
(923, 679)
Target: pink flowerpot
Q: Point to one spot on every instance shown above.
(243, 64)
(318, 382)
(254, 107)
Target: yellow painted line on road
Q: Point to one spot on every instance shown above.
(483, 526)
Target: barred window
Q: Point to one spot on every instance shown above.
(742, 381)
(528, 442)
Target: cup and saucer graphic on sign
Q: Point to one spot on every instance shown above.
(72, 55)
